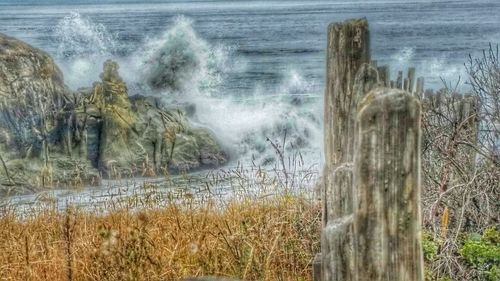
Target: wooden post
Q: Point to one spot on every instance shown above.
(387, 188)
(399, 81)
(411, 80)
(337, 245)
(420, 87)
(349, 76)
(371, 223)
(384, 75)
(348, 48)
(317, 267)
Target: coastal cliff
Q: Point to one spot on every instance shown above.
(51, 135)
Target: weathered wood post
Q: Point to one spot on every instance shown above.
(348, 51)
(420, 87)
(399, 81)
(371, 214)
(387, 188)
(348, 48)
(384, 75)
(411, 80)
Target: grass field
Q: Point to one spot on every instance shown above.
(274, 238)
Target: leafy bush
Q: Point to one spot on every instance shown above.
(430, 247)
(483, 253)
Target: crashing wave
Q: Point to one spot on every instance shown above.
(83, 47)
(79, 36)
(180, 61)
(182, 68)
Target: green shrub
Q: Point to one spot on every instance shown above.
(483, 253)
(493, 274)
(429, 246)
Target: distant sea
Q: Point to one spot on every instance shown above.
(260, 64)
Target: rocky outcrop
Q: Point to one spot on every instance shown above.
(50, 135)
(32, 96)
(35, 116)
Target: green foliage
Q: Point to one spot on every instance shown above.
(493, 274)
(483, 252)
(430, 246)
(492, 235)
(427, 274)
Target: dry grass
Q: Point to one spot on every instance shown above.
(268, 239)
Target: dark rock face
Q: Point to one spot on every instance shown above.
(36, 111)
(33, 97)
(50, 135)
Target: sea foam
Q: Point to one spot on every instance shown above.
(180, 67)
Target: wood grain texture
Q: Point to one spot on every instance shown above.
(350, 75)
(348, 48)
(386, 176)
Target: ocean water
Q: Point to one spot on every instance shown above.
(253, 69)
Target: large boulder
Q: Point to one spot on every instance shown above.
(36, 112)
(32, 98)
(50, 135)
(143, 136)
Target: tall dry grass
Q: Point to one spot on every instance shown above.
(269, 239)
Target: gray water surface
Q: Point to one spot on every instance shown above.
(264, 60)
